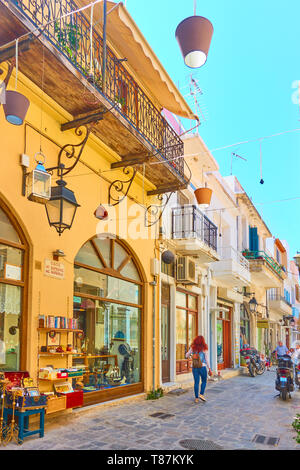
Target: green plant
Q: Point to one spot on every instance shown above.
(296, 426)
(68, 38)
(155, 394)
(120, 100)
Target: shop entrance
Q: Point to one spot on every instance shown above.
(165, 333)
(108, 303)
(224, 338)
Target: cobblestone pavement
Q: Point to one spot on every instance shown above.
(236, 410)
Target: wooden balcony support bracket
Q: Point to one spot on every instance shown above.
(83, 121)
(9, 52)
(130, 161)
(166, 189)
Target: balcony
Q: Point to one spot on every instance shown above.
(265, 271)
(194, 233)
(123, 116)
(232, 270)
(279, 303)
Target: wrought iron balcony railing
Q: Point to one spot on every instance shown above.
(278, 296)
(262, 255)
(71, 35)
(228, 252)
(189, 222)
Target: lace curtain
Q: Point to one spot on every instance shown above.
(10, 299)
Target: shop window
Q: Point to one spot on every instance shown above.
(244, 326)
(107, 304)
(11, 295)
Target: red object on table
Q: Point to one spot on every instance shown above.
(15, 378)
(74, 399)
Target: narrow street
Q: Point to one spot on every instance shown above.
(237, 409)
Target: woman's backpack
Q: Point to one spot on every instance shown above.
(197, 360)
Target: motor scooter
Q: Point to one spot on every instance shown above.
(256, 366)
(284, 382)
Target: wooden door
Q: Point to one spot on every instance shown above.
(165, 333)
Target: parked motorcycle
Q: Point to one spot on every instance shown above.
(297, 375)
(256, 366)
(284, 379)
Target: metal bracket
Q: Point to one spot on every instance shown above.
(154, 212)
(72, 151)
(117, 186)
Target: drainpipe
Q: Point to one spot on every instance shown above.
(153, 284)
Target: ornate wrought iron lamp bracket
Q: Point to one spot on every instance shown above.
(71, 151)
(117, 186)
(154, 212)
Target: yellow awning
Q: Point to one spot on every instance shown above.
(125, 36)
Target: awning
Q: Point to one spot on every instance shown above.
(125, 36)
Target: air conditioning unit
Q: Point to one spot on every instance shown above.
(186, 270)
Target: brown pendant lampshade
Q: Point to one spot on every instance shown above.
(194, 36)
(15, 107)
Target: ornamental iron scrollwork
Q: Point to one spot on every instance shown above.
(72, 151)
(117, 186)
(154, 212)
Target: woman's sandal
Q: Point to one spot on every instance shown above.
(196, 400)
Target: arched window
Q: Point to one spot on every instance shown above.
(108, 306)
(12, 283)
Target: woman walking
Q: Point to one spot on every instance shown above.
(199, 353)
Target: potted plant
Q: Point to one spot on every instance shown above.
(68, 38)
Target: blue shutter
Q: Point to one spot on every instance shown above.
(253, 239)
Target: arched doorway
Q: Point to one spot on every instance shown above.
(108, 304)
(13, 293)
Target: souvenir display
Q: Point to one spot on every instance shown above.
(3, 383)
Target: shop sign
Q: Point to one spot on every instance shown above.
(262, 324)
(54, 269)
(13, 272)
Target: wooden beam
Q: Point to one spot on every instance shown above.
(129, 162)
(166, 189)
(82, 121)
(10, 51)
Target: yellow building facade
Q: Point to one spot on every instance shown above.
(101, 273)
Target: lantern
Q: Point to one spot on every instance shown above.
(39, 184)
(62, 207)
(253, 305)
(194, 37)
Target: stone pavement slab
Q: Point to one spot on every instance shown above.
(236, 410)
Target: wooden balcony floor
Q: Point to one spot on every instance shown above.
(71, 90)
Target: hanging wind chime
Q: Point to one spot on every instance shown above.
(16, 105)
(261, 177)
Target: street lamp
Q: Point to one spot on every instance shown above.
(194, 36)
(62, 206)
(253, 305)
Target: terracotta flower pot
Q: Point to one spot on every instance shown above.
(16, 107)
(203, 196)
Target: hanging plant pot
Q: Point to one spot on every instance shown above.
(203, 196)
(101, 213)
(16, 107)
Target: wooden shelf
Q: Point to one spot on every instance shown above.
(66, 330)
(56, 354)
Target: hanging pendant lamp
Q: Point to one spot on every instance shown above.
(16, 105)
(194, 36)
